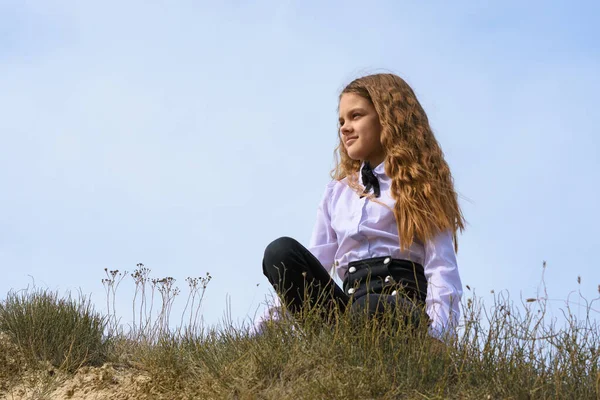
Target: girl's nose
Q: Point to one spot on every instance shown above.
(346, 129)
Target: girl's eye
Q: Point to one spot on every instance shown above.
(355, 115)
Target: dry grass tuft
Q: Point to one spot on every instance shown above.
(65, 332)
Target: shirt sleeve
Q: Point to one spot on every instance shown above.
(444, 287)
(271, 313)
(323, 242)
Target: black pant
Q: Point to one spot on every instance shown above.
(297, 275)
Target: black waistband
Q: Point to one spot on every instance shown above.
(385, 274)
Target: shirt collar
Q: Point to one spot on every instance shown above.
(379, 170)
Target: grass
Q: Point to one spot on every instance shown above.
(65, 332)
(508, 350)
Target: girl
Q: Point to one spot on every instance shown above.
(388, 220)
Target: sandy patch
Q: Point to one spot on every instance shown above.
(106, 382)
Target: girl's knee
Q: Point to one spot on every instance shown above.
(279, 249)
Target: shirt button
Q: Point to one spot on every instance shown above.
(388, 279)
(351, 290)
(352, 270)
(394, 293)
(387, 260)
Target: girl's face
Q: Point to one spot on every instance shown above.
(360, 129)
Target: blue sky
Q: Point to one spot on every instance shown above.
(188, 135)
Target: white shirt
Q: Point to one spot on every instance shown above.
(350, 228)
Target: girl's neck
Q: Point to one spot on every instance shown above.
(375, 161)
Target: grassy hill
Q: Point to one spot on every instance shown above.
(54, 347)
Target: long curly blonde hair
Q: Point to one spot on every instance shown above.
(422, 185)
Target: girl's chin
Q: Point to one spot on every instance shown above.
(354, 155)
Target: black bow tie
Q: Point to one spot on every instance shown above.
(369, 180)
